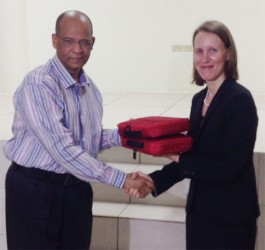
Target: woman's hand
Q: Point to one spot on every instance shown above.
(173, 157)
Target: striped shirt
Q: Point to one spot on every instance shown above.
(58, 126)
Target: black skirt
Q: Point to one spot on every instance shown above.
(201, 234)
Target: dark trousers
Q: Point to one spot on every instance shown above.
(212, 236)
(45, 210)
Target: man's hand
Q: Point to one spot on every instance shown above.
(138, 184)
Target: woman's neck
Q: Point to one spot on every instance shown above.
(214, 86)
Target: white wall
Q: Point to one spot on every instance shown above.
(13, 44)
(134, 38)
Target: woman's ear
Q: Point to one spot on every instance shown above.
(228, 54)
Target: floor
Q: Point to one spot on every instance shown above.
(123, 106)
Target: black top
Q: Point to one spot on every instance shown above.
(220, 166)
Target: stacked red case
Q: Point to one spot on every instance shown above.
(156, 135)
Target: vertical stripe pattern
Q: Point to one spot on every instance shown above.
(58, 126)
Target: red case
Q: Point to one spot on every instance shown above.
(159, 146)
(153, 126)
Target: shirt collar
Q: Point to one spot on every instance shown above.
(66, 79)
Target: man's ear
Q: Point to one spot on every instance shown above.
(54, 41)
(93, 39)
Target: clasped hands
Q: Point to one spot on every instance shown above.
(138, 184)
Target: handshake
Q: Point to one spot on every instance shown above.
(138, 185)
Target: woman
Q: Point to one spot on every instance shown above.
(222, 205)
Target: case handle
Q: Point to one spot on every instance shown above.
(129, 133)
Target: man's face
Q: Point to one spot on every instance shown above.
(74, 43)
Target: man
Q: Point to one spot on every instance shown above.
(57, 135)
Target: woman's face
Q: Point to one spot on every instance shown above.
(210, 56)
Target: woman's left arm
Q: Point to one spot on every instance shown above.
(234, 148)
